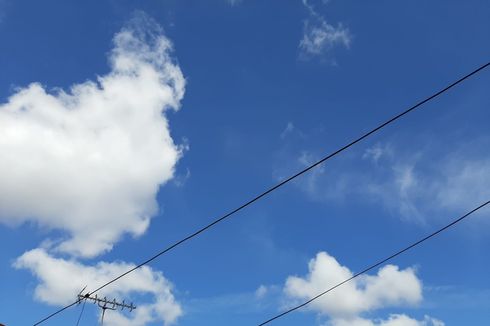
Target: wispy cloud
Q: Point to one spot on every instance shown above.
(234, 2)
(3, 9)
(320, 37)
(262, 299)
(289, 129)
(420, 185)
(378, 151)
(416, 186)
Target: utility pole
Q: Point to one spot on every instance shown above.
(105, 304)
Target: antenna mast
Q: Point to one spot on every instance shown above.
(105, 304)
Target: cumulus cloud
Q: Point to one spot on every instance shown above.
(320, 37)
(61, 280)
(390, 287)
(89, 160)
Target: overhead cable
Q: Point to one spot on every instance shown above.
(278, 185)
(379, 263)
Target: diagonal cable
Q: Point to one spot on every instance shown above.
(280, 184)
(381, 262)
(81, 312)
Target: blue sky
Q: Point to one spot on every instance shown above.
(125, 126)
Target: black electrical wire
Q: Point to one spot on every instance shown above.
(81, 312)
(57, 312)
(280, 184)
(381, 262)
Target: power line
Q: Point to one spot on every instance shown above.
(56, 312)
(280, 184)
(367, 269)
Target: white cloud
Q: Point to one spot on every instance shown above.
(314, 183)
(393, 320)
(345, 305)
(377, 152)
(61, 280)
(320, 37)
(234, 2)
(390, 287)
(400, 192)
(417, 187)
(181, 180)
(89, 161)
(3, 8)
(403, 320)
(464, 182)
(289, 129)
(261, 291)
